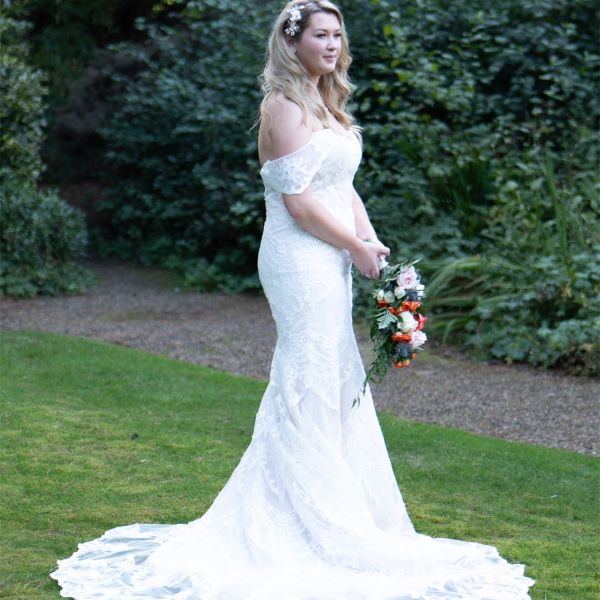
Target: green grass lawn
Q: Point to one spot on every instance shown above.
(70, 467)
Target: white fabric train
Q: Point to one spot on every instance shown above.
(313, 510)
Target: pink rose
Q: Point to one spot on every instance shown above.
(407, 278)
(418, 339)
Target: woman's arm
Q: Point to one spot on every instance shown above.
(311, 215)
(287, 134)
(364, 229)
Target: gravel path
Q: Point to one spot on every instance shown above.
(138, 308)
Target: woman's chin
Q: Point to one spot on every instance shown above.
(328, 68)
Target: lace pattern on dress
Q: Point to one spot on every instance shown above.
(292, 173)
(313, 510)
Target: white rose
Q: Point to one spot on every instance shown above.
(389, 297)
(399, 292)
(380, 295)
(408, 321)
(418, 339)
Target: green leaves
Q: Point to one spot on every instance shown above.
(41, 238)
(183, 171)
(21, 106)
(385, 319)
(481, 157)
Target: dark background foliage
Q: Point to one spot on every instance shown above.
(41, 237)
(480, 155)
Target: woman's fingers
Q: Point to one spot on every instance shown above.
(366, 259)
(381, 249)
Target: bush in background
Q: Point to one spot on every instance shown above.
(481, 158)
(182, 153)
(534, 293)
(41, 237)
(21, 105)
(450, 92)
(64, 34)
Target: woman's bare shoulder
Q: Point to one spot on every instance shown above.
(284, 122)
(278, 107)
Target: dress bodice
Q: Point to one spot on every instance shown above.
(328, 158)
(327, 163)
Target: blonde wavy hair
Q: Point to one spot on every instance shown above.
(284, 73)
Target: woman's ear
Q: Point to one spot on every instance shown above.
(291, 43)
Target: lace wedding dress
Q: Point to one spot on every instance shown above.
(313, 510)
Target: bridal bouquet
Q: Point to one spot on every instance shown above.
(396, 325)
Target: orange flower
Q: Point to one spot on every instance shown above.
(413, 355)
(382, 303)
(410, 305)
(402, 337)
(394, 311)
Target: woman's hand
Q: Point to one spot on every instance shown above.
(365, 257)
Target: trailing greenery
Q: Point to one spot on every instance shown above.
(41, 237)
(73, 468)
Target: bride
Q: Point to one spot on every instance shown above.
(312, 511)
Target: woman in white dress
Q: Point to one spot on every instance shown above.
(312, 511)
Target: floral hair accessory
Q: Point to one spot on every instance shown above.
(295, 15)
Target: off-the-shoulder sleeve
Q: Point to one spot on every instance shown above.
(292, 173)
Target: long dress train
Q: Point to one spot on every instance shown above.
(313, 510)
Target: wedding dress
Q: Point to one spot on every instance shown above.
(313, 510)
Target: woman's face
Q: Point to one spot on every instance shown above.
(320, 44)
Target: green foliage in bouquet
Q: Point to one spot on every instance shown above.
(396, 326)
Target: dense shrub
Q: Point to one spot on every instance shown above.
(65, 34)
(40, 235)
(21, 105)
(181, 150)
(457, 106)
(41, 238)
(533, 294)
(457, 109)
(450, 91)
